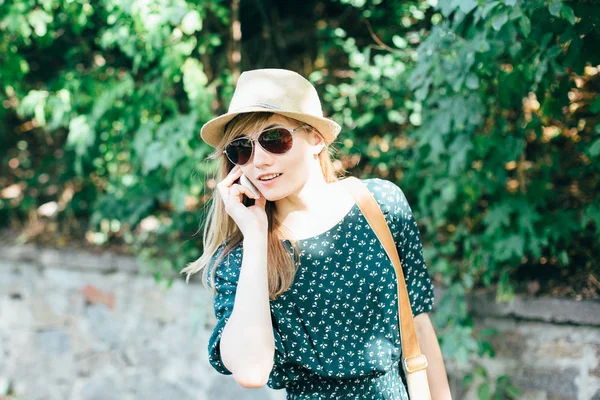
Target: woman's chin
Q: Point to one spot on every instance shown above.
(273, 196)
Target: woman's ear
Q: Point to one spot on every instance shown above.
(320, 149)
(318, 143)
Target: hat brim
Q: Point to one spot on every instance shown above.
(212, 132)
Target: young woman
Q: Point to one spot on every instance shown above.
(305, 295)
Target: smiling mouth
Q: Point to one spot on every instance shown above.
(269, 177)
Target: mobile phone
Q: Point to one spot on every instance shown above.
(245, 182)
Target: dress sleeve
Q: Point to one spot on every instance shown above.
(408, 242)
(410, 249)
(226, 279)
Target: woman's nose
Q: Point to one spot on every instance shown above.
(261, 157)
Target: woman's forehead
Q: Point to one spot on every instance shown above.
(277, 119)
(274, 120)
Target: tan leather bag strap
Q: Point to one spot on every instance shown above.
(414, 362)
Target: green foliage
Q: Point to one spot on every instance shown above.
(497, 125)
(120, 87)
(485, 113)
(498, 145)
(490, 389)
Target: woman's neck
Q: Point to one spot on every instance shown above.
(309, 198)
(314, 208)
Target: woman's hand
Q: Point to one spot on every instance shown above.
(251, 220)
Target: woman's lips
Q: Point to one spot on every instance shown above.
(269, 182)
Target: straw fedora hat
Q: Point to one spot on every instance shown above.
(274, 90)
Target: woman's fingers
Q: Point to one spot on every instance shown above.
(233, 175)
(232, 195)
(242, 189)
(226, 183)
(260, 202)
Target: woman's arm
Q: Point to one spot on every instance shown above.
(436, 371)
(247, 342)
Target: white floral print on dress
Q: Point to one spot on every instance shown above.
(336, 328)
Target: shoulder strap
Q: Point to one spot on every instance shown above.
(412, 359)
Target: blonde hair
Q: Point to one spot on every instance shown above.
(220, 229)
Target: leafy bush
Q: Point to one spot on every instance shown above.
(112, 95)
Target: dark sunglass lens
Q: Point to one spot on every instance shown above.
(277, 141)
(239, 151)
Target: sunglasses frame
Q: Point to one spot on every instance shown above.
(291, 131)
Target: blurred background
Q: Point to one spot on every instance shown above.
(485, 113)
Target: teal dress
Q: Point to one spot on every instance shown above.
(336, 328)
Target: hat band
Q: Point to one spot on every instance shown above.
(260, 105)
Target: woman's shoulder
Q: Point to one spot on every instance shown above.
(228, 263)
(386, 192)
(233, 253)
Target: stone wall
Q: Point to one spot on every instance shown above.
(546, 361)
(82, 326)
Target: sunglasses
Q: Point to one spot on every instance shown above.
(273, 140)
